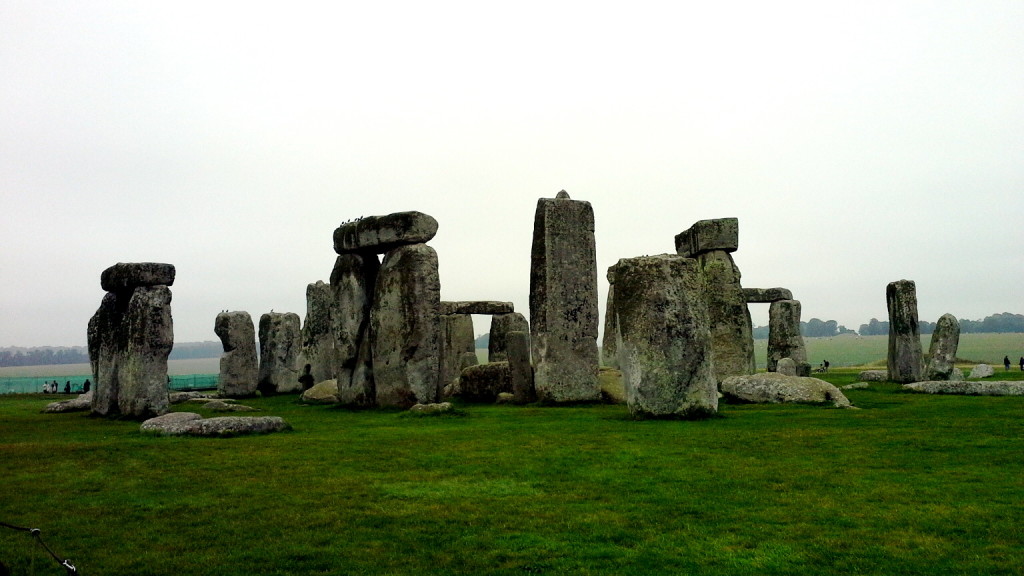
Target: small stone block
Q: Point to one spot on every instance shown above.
(708, 235)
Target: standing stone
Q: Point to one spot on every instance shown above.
(521, 369)
(456, 339)
(563, 301)
(609, 354)
(501, 325)
(239, 365)
(404, 332)
(732, 340)
(942, 350)
(905, 360)
(280, 346)
(784, 339)
(786, 367)
(130, 338)
(664, 340)
(352, 282)
(319, 343)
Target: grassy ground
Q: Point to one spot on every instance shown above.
(909, 484)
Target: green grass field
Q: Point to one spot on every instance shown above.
(908, 484)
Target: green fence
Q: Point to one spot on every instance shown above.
(75, 384)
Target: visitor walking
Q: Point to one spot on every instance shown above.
(1022, 363)
(1006, 363)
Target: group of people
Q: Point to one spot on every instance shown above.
(1006, 363)
(53, 387)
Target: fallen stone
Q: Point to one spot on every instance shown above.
(905, 360)
(873, 375)
(483, 382)
(81, 403)
(191, 424)
(180, 397)
(766, 295)
(222, 406)
(786, 367)
(981, 371)
(996, 388)
(432, 408)
(855, 386)
(125, 277)
(325, 392)
(708, 235)
(381, 234)
(477, 307)
(775, 388)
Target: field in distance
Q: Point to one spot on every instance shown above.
(174, 368)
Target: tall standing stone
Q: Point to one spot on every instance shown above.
(732, 339)
(942, 350)
(239, 365)
(501, 326)
(280, 347)
(130, 338)
(609, 354)
(520, 366)
(784, 338)
(563, 301)
(319, 341)
(664, 338)
(456, 340)
(404, 330)
(905, 360)
(352, 283)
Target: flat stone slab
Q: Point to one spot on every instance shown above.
(192, 424)
(380, 234)
(873, 375)
(432, 408)
(774, 388)
(127, 276)
(994, 388)
(766, 295)
(476, 307)
(708, 235)
(179, 397)
(80, 404)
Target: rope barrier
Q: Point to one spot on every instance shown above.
(37, 534)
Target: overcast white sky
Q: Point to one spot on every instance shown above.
(858, 143)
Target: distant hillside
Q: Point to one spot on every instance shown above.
(53, 355)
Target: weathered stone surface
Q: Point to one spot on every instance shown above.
(353, 280)
(126, 276)
(664, 340)
(325, 392)
(520, 367)
(505, 398)
(280, 346)
(456, 340)
(319, 338)
(404, 328)
(708, 235)
(563, 302)
(218, 405)
(130, 337)
(905, 360)
(766, 295)
(732, 340)
(239, 365)
(775, 388)
(381, 234)
(784, 339)
(181, 397)
(609, 347)
(476, 307)
(786, 367)
(483, 382)
(942, 350)
(433, 408)
(191, 424)
(982, 371)
(501, 325)
(994, 388)
(957, 375)
(803, 369)
(873, 375)
(855, 386)
(81, 403)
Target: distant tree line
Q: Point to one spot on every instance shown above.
(49, 355)
(815, 328)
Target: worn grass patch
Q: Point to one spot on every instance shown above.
(910, 484)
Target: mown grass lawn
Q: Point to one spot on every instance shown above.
(909, 484)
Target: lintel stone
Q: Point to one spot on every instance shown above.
(708, 235)
(380, 234)
(476, 307)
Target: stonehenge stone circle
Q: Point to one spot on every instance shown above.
(380, 234)
(483, 307)
(239, 365)
(942, 349)
(784, 339)
(664, 339)
(404, 328)
(456, 340)
(563, 301)
(501, 325)
(766, 295)
(905, 361)
(709, 235)
(280, 347)
(130, 337)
